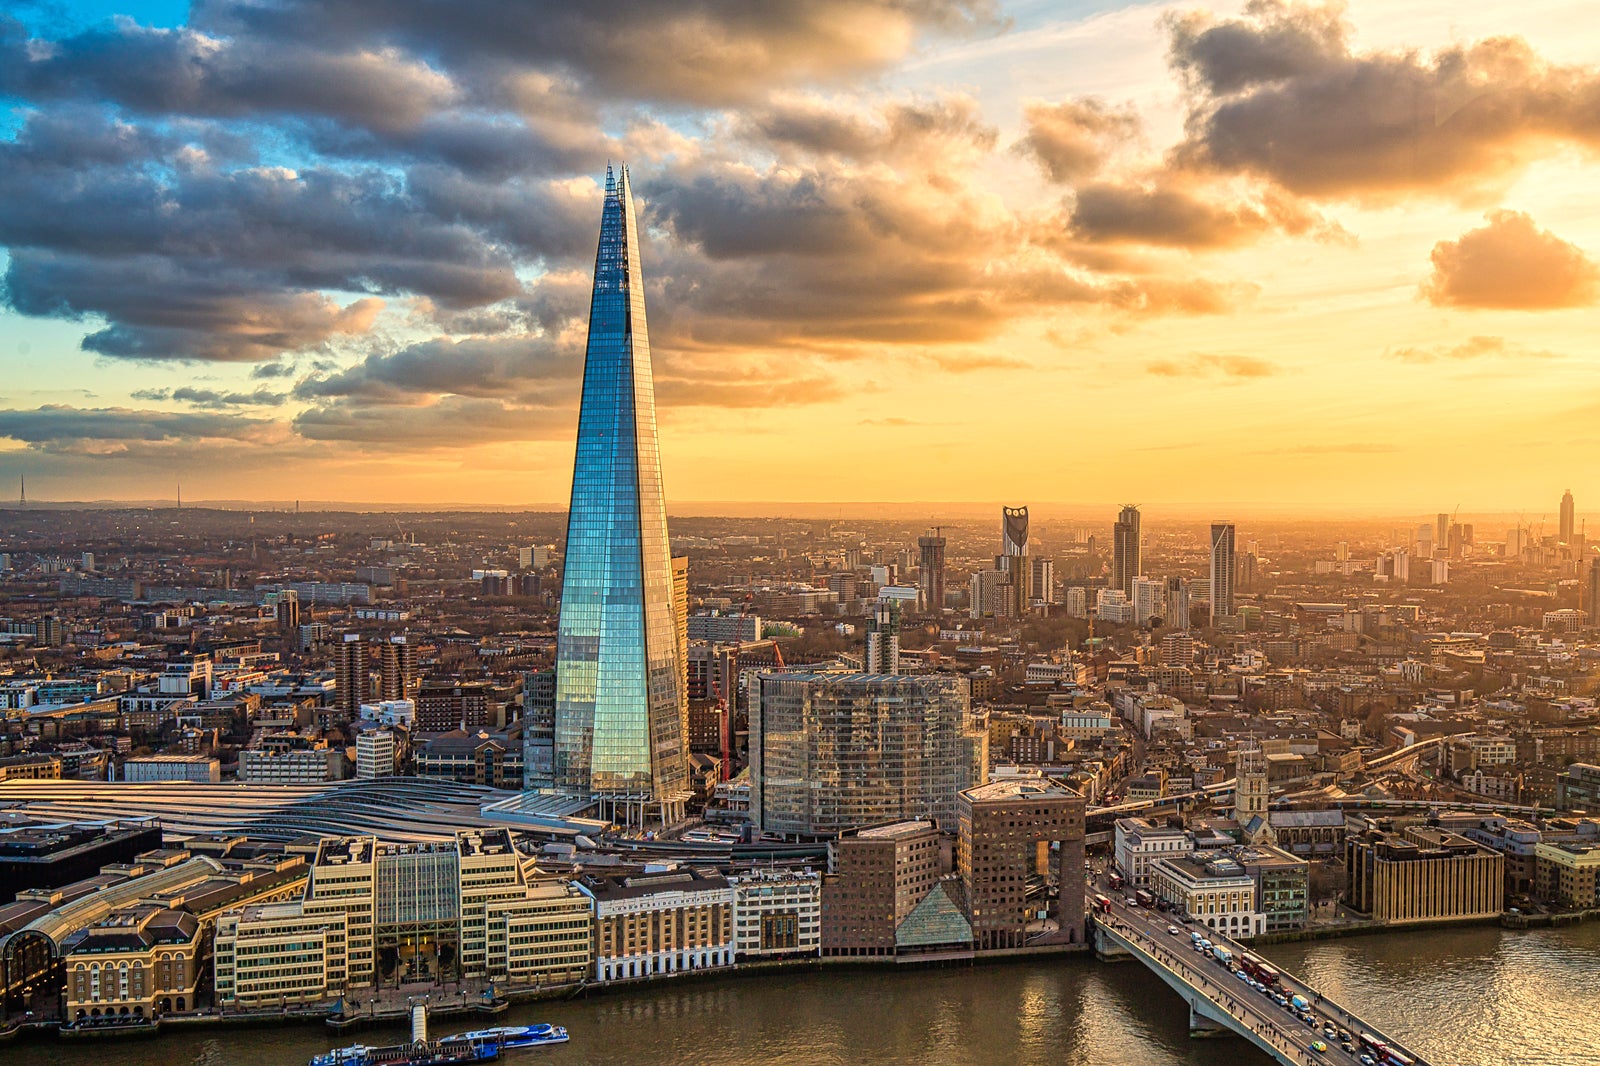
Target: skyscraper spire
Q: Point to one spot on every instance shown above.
(618, 734)
(22, 498)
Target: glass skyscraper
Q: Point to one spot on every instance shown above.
(619, 734)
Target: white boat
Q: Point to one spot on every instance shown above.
(511, 1037)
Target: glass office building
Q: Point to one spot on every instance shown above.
(618, 729)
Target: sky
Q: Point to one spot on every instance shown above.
(1319, 257)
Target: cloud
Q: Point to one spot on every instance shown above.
(1279, 94)
(479, 367)
(1073, 139)
(213, 399)
(114, 431)
(1200, 365)
(449, 422)
(1510, 264)
(1169, 215)
(700, 52)
(1478, 347)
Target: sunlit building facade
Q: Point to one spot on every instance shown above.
(619, 728)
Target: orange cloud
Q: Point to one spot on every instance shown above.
(1510, 264)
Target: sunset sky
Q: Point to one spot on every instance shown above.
(1305, 256)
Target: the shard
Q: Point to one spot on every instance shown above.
(619, 735)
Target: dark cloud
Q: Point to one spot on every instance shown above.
(187, 72)
(479, 367)
(450, 421)
(113, 431)
(703, 52)
(1228, 366)
(212, 398)
(1512, 264)
(1479, 347)
(1072, 140)
(1279, 94)
(908, 133)
(1171, 216)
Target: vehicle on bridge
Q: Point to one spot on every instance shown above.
(1222, 955)
(1102, 904)
(1260, 969)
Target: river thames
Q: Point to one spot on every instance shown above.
(1466, 997)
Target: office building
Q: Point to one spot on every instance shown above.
(375, 753)
(883, 638)
(1043, 583)
(140, 962)
(880, 878)
(1007, 833)
(350, 676)
(1138, 842)
(1567, 873)
(1422, 874)
(177, 767)
(1127, 549)
(830, 752)
(1283, 886)
(776, 914)
(290, 759)
(619, 722)
(930, 572)
(538, 730)
(1222, 570)
(1213, 890)
(661, 923)
(274, 954)
(477, 757)
(286, 609)
(1569, 519)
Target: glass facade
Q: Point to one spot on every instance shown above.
(618, 728)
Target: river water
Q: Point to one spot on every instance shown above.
(1471, 997)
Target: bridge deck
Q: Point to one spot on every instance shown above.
(1215, 994)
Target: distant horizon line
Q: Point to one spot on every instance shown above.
(1219, 512)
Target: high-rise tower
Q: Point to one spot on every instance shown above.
(1126, 550)
(930, 573)
(1569, 524)
(1222, 563)
(1013, 558)
(619, 736)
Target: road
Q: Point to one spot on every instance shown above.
(1260, 1012)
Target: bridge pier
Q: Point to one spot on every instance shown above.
(1202, 1027)
(1106, 949)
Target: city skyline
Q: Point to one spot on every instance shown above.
(876, 228)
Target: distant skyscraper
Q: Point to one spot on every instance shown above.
(619, 733)
(1043, 584)
(1013, 556)
(1177, 616)
(1441, 530)
(1127, 550)
(1222, 563)
(1593, 602)
(1148, 600)
(930, 575)
(1569, 523)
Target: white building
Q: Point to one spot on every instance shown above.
(1113, 605)
(375, 754)
(777, 913)
(204, 769)
(1149, 599)
(1217, 892)
(302, 766)
(1139, 843)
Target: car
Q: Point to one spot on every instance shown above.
(1350, 1049)
(1241, 975)
(1344, 1035)
(1174, 930)
(1318, 1046)
(1368, 1060)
